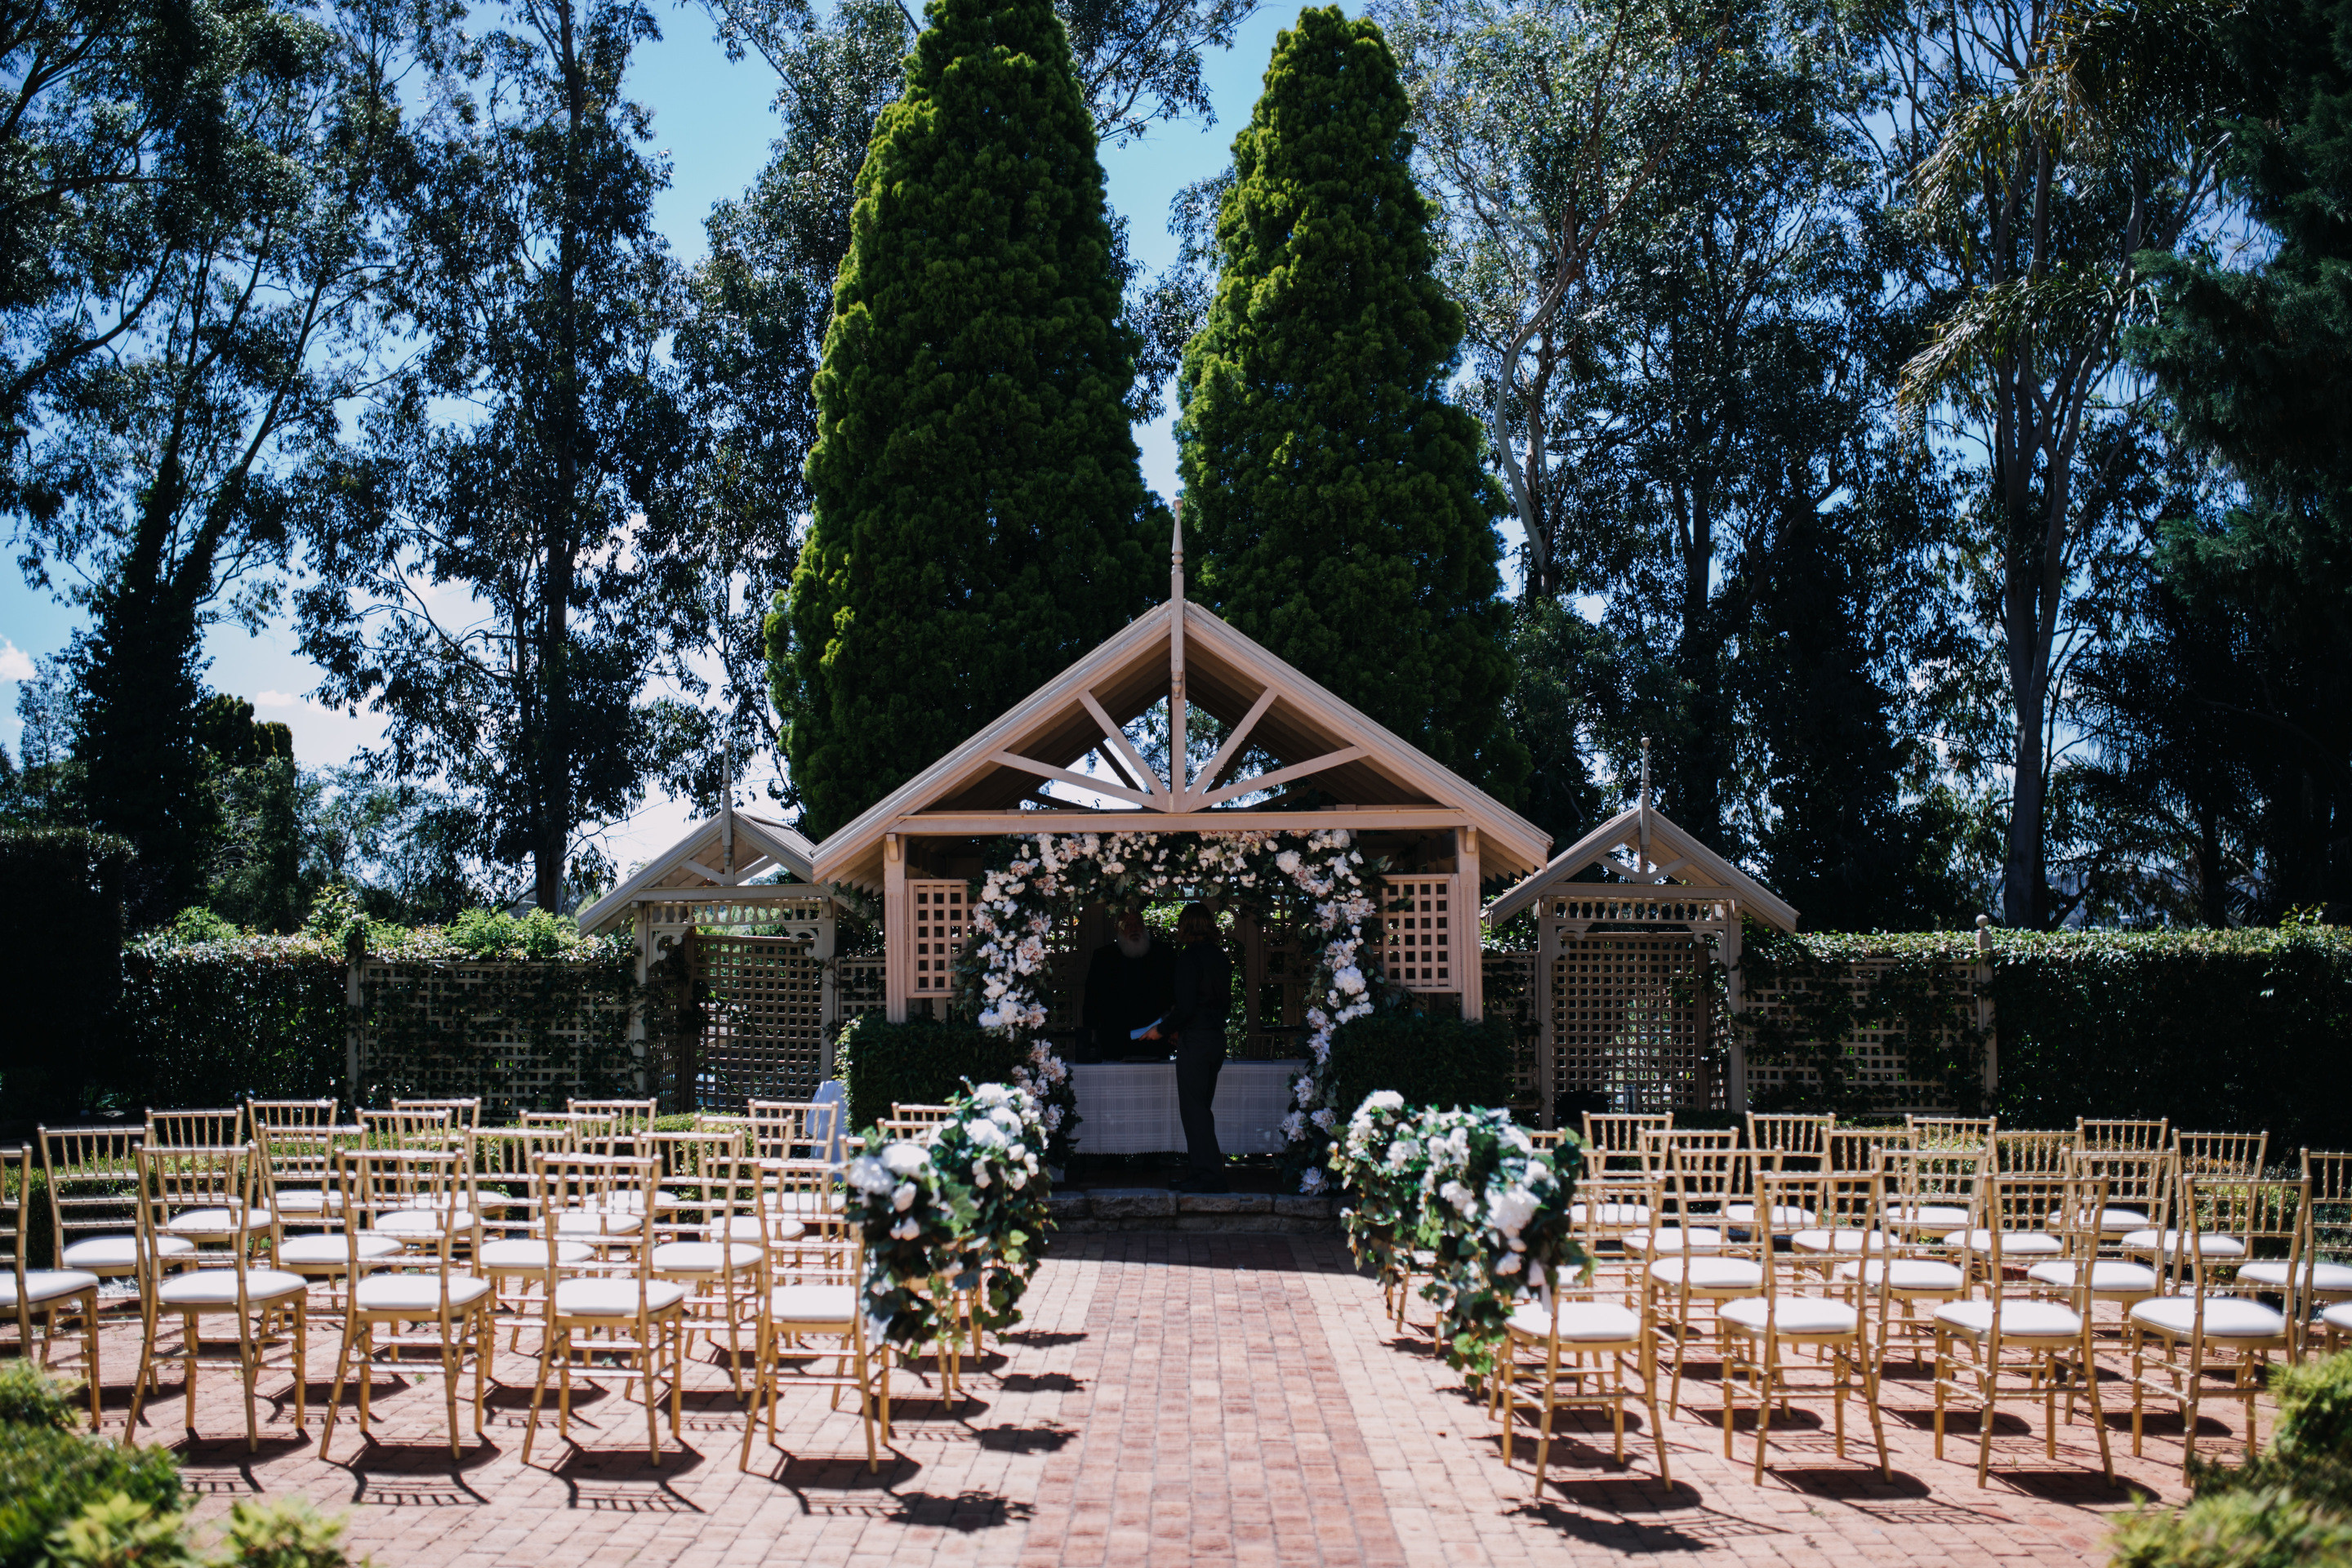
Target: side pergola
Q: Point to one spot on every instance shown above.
(1441, 835)
(1619, 1015)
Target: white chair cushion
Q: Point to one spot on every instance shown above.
(813, 1303)
(1710, 1273)
(750, 1228)
(2315, 1276)
(584, 1221)
(1671, 1238)
(46, 1285)
(1840, 1241)
(2226, 1317)
(218, 1287)
(1930, 1217)
(1610, 1214)
(531, 1256)
(2207, 1245)
(2019, 1319)
(306, 1200)
(1916, 1276)
(612, 1297)
(1782, 1213)
(2014, 1243)
(214, 1222)
(1792, 1314)
(2338, 1317)
(412, 1224)
(2111, 1220)
(1585, 1322)
(416, 1292)
(323, 1251)
(121, 1251)
(2107, 1277)
(703, 1256)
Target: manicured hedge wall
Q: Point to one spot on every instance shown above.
(920, 1062)
(1437, 1061)
(214, 1023)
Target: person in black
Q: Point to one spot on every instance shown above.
(1196, 1015)
(1128, 984)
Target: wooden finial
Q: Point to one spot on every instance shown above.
(1645, 773)
(1176, 555)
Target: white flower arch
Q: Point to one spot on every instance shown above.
(1320, 873)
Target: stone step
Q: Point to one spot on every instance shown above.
(1101, 1209)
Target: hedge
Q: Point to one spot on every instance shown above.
(2247, 1031)
(1433, 1061)
(920, 1062)
(61, 922)
(214, 1023)
(50, 1473)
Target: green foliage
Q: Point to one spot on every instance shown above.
(61, 909)
(494, 934)
(119, 1531)
(47, 1478)
(289, 1533)
(922, 1062)
(30, 1397)
(1430, 1060)
(2239, 1529)
(1919, 995)
(210, 1016)
(1334, 492)
(979, 518)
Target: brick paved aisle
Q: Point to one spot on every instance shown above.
(1173, 1399)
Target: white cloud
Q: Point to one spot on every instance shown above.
(16, 664)
(276, 699)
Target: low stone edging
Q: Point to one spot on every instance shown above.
(1156, 1208)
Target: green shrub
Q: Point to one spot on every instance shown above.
(922, 1062)
(217, 1021)
(2271, 1527)
(1434, 1061)
(61, 893)
(120, 1532)
(47, 1478)
(29, 1398)
(288, 1534)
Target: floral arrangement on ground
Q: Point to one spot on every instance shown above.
(1495, 1211)
(962, 1210)
(1319, 875)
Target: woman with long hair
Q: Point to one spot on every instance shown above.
(1203, 994)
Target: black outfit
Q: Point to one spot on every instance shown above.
(1203, 994)
(1124, 993)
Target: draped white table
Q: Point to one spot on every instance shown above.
(1130, 1108)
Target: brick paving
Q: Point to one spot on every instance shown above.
(1173, 1398)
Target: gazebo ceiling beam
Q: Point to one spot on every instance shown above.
(1281, 776)
(1232, 748)
(1138, 774)
(1081, 780)
(991, 824)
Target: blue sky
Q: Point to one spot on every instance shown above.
(714, 120)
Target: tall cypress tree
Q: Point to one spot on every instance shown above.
(979, 513)
(1335, 496)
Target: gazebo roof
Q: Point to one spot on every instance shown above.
(698, 864)
(980, 787)
(1642, 844)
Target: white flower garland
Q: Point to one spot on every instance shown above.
(1320, 872)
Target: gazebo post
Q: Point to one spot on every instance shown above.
(1735, 1093)
(1470, 952)
(898, 957)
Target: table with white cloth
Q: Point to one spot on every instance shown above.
(1130, 1108)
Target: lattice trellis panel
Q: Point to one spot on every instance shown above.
(1877, 1065)
(1510, 985)
(860, 985)
(763, 1018)
(1417, 932)
(464, 1039)
(941, 923)
(1633, 1021)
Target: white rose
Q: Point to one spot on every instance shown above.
(1383, 1099)
(985, 1133)
(1513, 1209)
(1324, 1118)
(903, 1199)
(1312, 1182)
(904, 1159)
(867, 1174)
(906, 1230)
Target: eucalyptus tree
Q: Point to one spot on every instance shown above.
(179, 379)
(493, 553)
(2047, 152)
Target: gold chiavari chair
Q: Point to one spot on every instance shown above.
(1711, 1187)
(268, 1305)
(329, 1252)
(611, 1320)
(406, 1129)
(1694, 1268)
(625, 1116)
(260, 1115)
(715, 1183)
(420, 1300)
(2026, 1340)
(93, 1185)
(1801, 1141)
(42, 1296)
(1789, 1312)
(514, 1256)
(1906, 1270)
(1845, 1221)
(2170, 1226)
(220, 1127)
(1581, 1346)
(1942, 1185)
(298, 1161)
(2021, 1154)
(2208, 1319)
(2235, 1156)
(2126, 1176)
(1614, 1141)
(2120, 1136)
(812, 1316)
(2328, 1281)
(795, 1128)
(1950, 1132)
(927, 1115)
(466, 1112)
(1858, 1148)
